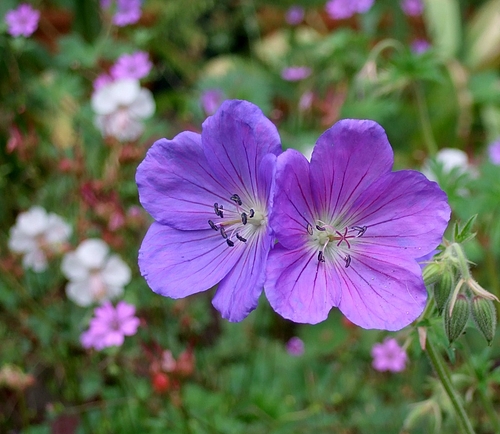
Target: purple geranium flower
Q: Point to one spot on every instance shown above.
(494, 152)
(389, 356)
(135, 65)
(110, 325)
(294, 15)
(295, 73)
(412, 8)
(22, 21)
(350, 231)
(127, 12)
(342, 9)
(211, 197)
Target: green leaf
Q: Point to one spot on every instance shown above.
(465, 233)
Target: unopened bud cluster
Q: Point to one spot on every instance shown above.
(458, 295)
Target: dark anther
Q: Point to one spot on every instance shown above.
(321, 257)
(252, 213)
(236, 198)
(244, 219)
(229, 243)
(320, 228)
(241, 238)
(223, 232)
(218, 210)
(347, 260)
(361, 230)
(213, 225)
(309, 229)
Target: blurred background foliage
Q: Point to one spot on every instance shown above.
(238, 378)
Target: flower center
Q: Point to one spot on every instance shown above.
(237, 222)
(330, 241)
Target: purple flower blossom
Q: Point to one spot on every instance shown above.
(295, 73)
(211, 197)
(494, 152)
(420, 46)
(294, 15)
(295, 346)
(22, 21)
(135, 65)
(343, 9)
(127, 12)
(350, 231)
(110, 325)
(210, 100)
(412, 8)
(389, 356)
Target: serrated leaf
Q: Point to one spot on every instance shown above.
(466, 234)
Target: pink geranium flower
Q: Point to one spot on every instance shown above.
(389, 356)
(110, 325)
(22, 21)
(135, 65)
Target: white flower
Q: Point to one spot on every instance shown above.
(94, 275)
(448, 160)
(121, 107)
(37, 233)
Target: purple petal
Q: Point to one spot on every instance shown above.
(299, 287)
(124, 310)
(238, 293)
(347, 158)
(293, 209)
(235, 140)
(180, 263)
(402, 210)
(129, 326)
(381, 290)
(176, 186)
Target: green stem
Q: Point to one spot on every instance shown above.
(423, 114)
(444, 376)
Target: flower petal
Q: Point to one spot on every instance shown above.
(116, 272)
(293, 207)
(73, 268)
(235, 140)
(80, 293)
(143, 106)
(299, 287)
(92, 253)
(180, 263)
(402, 210)
(381, 290)
(176, 185)
(238, 293)
(347, 158)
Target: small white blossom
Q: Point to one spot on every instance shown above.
(448, 159)
(94, 275)
(36, 234)
(121, 106)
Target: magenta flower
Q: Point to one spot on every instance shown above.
(211, 197)
(412, 8)
(494, 152)
(22, 21)
(343, 9)
(101, 81)
(295, 346)
(127, 12)
(295, 73)
(110, 325)
(294, 15)
(420, 46)
(135, 65)
(350, 231)
(389, 356)
(210, 100)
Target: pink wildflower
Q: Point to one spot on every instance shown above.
(22, 21)
(389, 356)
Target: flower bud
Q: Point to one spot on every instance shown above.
(455, 321)
(443, 288)
(432, 273)
(485, 317)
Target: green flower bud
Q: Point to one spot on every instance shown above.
(485, 317)
(443, 289)
(455, 322)
(432, 273)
